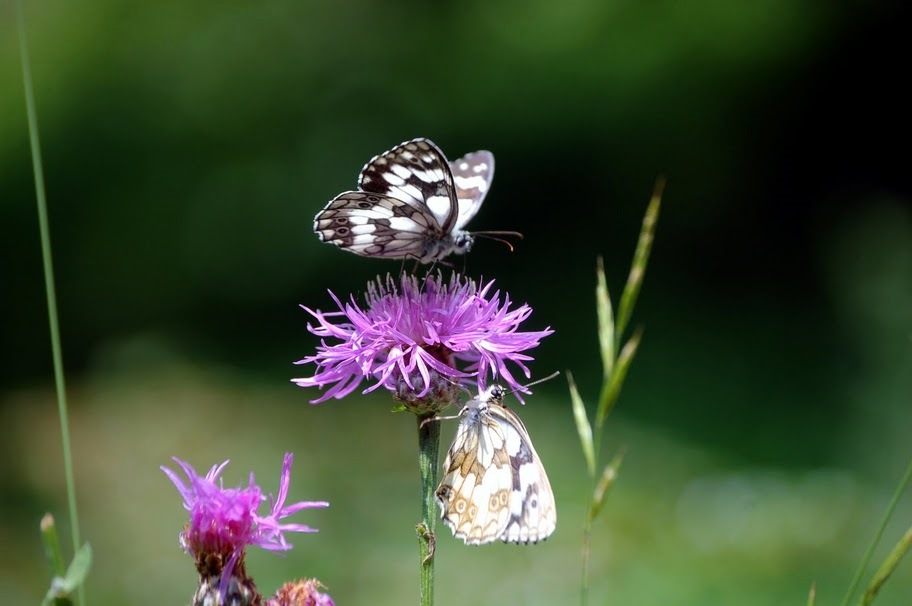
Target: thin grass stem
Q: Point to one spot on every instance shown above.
(37, 169)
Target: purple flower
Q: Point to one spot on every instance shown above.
(223, 521)
(305, 592)
(415, 337)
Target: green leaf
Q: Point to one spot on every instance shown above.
(79, 567)
(605, 320)
(812, 594)
(611, 390)
(609, 475)
(886, 569)
(582, 426)
(640, 259)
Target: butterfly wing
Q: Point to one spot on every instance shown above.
(475, 493)
(406, 206)
(374, 225)
(533, 512)
(417, 173)
(472, 176)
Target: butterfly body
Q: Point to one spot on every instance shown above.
(494, 485)
(411, 203)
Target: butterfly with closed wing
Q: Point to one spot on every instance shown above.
(494, 485)
(411, 203)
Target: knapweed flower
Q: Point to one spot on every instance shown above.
(305, 592)
(417, 338)
(224, 521)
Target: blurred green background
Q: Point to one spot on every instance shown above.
(187, 146)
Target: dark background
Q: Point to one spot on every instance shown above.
(187, 147)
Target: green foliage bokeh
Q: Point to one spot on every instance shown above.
(187, 146)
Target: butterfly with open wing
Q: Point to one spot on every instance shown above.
(494, 485)
(411, 203)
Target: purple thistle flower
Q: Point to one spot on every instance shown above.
(305, 592)
(223, 521)
(416, 338)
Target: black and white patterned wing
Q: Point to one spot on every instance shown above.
(406, 206)
(374, 225)
(472, 175)
(417, 173)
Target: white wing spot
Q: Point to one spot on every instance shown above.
(439, 205)
(479, 183)
(400, 170)
(392, 179)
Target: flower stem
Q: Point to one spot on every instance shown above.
(428, 447)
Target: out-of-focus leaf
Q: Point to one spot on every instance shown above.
(613, 389)
(605, 320)
(640, 259)
(886, 569)
(79, 567)
(583, 428)
(609, 475)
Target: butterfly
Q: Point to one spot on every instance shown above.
(494, 485)
(411, 203)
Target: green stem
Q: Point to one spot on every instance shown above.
(587, 548)
(49, 282)
(428, 448)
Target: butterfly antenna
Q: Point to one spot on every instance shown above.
(492, 235)
(527, 385)
(432, 419)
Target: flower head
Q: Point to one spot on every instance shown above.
(305, 592)
(223, 521)
(415, 337)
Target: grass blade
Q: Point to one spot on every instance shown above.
(886, 569)
(605, 320)
(582, 426)
(609, 475)
(640, 259)
(611, 391)
(79, 567)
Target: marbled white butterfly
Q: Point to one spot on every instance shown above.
(494, 485)
(411, 203)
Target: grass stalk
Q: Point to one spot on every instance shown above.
(56, 352)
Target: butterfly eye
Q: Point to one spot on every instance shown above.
(463, 242)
